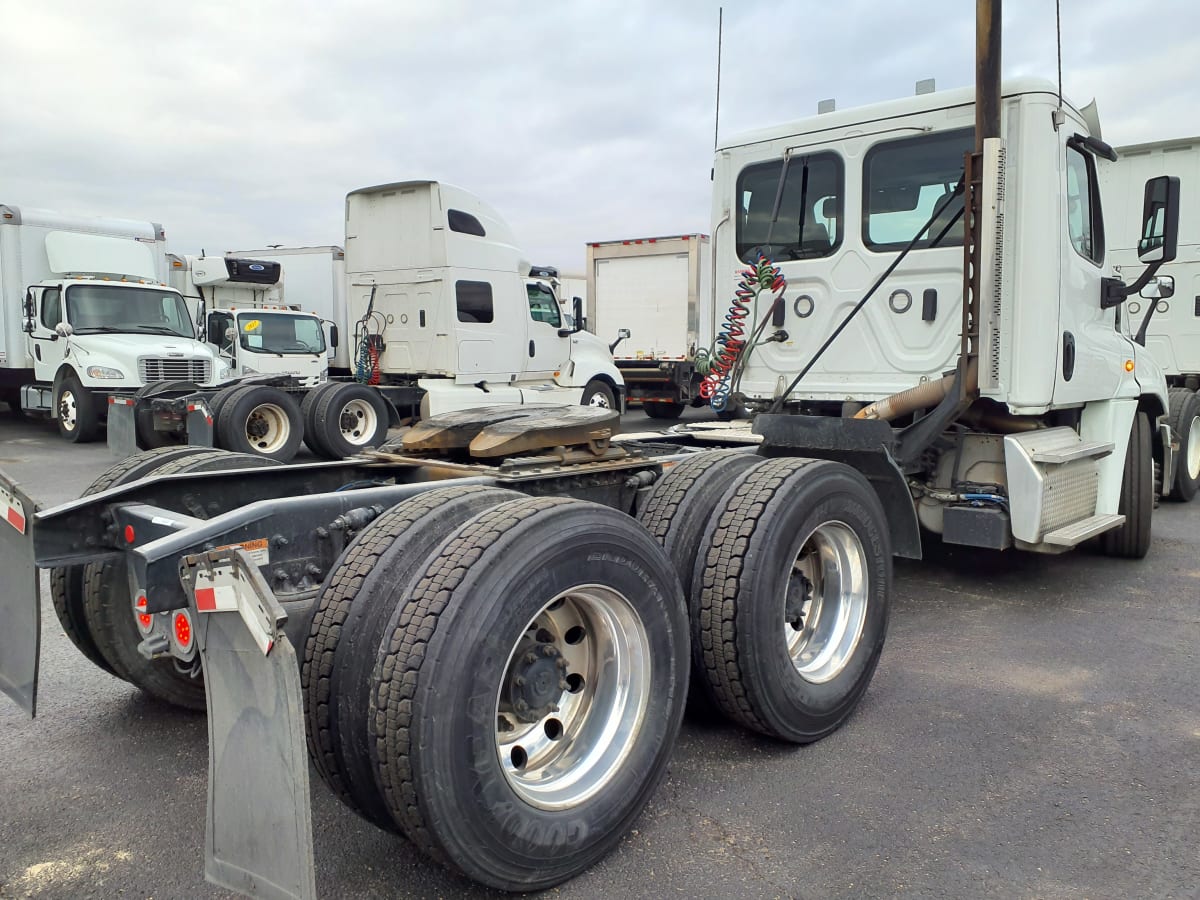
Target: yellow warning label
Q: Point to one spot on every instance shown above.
(256, 549)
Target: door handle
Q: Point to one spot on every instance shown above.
(531, 349)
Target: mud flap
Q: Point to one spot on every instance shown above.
(199, 424)
(20, 598)
(122, 427)
(258, 839)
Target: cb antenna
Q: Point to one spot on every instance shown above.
(717, 115)
(1059, 116)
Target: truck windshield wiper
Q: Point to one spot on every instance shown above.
(158, 329)
(100, 329)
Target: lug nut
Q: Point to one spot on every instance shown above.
(520, 680)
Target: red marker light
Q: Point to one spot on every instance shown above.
(183, 630)
(129, 534)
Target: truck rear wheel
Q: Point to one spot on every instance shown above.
(1185, 424)
(1132, 539)
(66, 582)
(263, 421)
(791, 595)
(112, 618)
(311, 439)
(78, 415)
(530, 690)
(355, 604)
(347, 419)
(662, 409)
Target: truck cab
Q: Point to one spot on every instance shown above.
(99, 322)
(439, 296)
(1039, 353)
(246, 321)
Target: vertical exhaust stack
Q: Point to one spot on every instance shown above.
(980, 263)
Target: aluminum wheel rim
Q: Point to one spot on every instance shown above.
(358, 422)
(828, 588)
(598, 399)
(569, 753)
(68, 410)
(275, 420)
(1193, 454)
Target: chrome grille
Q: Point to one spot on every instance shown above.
(152, 368)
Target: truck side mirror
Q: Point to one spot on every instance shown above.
(622, 334)
(27, 312)
(333, 336)
(1160, 287)
(577, 312)
(214, 331)
(1160, 220)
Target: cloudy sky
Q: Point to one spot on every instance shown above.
(238, 124)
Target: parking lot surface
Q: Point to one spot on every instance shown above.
(1033, 730)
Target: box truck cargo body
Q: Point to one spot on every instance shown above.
(658, 288)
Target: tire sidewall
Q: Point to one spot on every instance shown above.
(468, 787)
(1185, 485)
(327, 418)
(598, 387)
(769, 675)
(236, 411)
(86, 420)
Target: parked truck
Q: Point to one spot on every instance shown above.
(440, 314)
(479, 645)
(85, 312)
(1165, 317)
(314, 280)
(659, 289)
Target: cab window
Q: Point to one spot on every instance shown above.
(51, 307)
(906, 181)
(542, 305)
(808, 224)
(1084, 225)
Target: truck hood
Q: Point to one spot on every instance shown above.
(135, 345)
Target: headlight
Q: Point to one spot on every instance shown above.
(223, 372)
(104, 372)
(246, 370)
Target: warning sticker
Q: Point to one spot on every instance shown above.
(12, 510)
(257, 550)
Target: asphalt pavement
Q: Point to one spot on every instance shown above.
(1033, 730)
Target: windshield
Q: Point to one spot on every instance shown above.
(98, 308)
(281, 333)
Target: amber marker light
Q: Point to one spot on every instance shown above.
(1129, 365)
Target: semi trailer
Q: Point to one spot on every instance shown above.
(660, 290)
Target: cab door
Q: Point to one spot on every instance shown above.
(547, 352)
(45, 345)
(1091, 349)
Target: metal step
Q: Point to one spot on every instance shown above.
(1078, 532)
(1083, 450)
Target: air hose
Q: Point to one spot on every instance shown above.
(722, 362)
(369, 344)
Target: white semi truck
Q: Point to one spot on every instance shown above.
(1165, 317)
(660, 290)
(1022, 415)
(85, 312)
(480, 647)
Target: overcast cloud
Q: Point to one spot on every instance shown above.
(238, 124)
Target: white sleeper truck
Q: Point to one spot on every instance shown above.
(659, 290)
(85, 313)
(440, 306)
(1165, 317)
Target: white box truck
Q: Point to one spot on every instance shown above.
(1165, 317)
(85, 312)
(658, 289)
(313, 280)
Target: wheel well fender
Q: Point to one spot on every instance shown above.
(617, 389)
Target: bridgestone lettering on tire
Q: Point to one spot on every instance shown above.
(108, 607)
(66, 582)
(481, 616)
(358, 598)
(791, 595)
(1132, 539)
(1184, 418)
